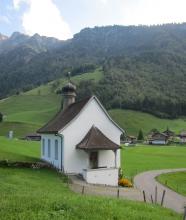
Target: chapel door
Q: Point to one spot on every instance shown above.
(93, 160)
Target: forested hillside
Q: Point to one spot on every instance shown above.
(143, 67)
(26, 112)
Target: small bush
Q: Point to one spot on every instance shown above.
(124, 182)
(1, 117)
(36, 165)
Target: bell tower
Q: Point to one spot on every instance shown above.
(69, 93)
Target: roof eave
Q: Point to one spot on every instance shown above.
(91, 148)
(47, 132)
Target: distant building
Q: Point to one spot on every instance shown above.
(131, 139)
(169, 133)
(182, 136)
(10, 134)
(158, 139)
(33, 137)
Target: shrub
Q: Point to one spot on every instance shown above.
(124, 182)
(1, 117)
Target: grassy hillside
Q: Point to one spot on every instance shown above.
(19, 128)
(28, 111)
(17, 150)
(25, 194)
(133, 121)
(43, 194)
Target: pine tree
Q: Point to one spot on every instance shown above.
(140, 135)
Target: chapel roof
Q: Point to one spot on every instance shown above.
(63, 117)
(96, 140)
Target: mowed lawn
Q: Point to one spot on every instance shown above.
(175, 181)
(17, 150)
(29, 194)
(142, 158)
(133, 159)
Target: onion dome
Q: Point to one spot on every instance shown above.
(69, 88)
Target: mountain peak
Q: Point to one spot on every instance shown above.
(16, 34)
(3, 37)
(36, 35)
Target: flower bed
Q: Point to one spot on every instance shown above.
(124, 182)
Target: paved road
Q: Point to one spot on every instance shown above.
(146, 181)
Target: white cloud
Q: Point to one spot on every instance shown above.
(4, 19)
(153, 11)
(43, 17)
(104, 1)
(17, 3)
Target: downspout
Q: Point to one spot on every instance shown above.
(61, 137)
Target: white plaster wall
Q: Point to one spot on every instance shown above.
(102, 176)
(158, 142)
(118, 158)
(77, 160)
(51, 159)
(107, 158)
(183, 140)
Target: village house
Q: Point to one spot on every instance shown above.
(182, 137)
(131, 139)
(83, 139)
(169, 133)
(158, 138)
(32, 137)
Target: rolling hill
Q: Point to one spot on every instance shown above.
(26, 112)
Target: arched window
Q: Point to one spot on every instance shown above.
(43, 147)
(49, 147)
(56, 149)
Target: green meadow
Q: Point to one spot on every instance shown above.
(18, 150)
(175, 181)
(133, 121)
(29, 194)
(26, 112)
(142, 158)
(133, 159)
(44, 194)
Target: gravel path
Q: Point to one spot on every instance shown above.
(90, 189)
(146, 181)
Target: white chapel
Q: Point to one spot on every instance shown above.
(82, 139)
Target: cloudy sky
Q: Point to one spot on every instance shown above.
(63, 18)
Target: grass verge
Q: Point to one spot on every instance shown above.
(43, 194)
(175, 181)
